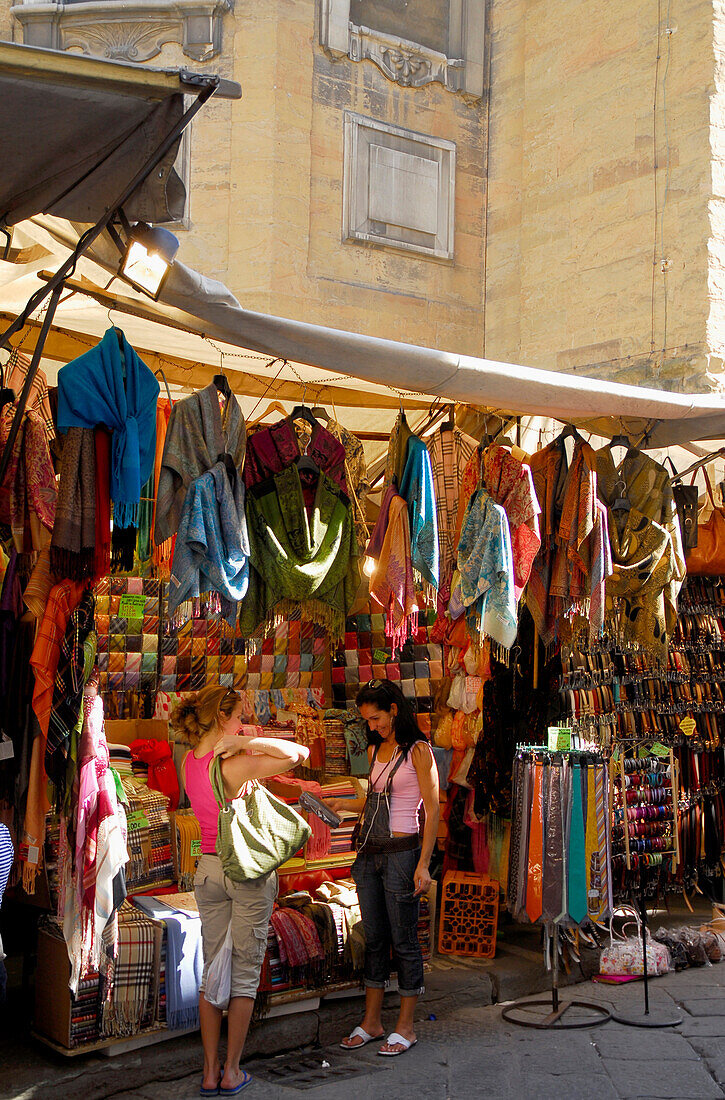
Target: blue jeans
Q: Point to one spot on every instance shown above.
(389, 911)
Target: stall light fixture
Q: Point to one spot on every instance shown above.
(148, 257)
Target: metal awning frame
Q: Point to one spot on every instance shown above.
(208, 85)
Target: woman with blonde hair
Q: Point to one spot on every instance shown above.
(211, 722)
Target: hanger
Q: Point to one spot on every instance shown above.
(274, 406)
(222, 384)
(159, 370)
(569, 430)
(302, 412)
(321, 413)
(449, 424)
(621, 501)
(620, 440)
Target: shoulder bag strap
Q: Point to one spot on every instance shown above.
(676, 476)
(217, 782)
(391, 777)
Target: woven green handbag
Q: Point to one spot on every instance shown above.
(257, 832)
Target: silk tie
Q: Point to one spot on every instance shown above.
(516, 824)
(591, 855)
(554, 862)
(577, 851)
(523, 859)
(535, 871)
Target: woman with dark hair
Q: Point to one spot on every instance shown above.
(391, 868)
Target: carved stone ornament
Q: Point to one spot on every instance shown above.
(133, 31)
(403, 62)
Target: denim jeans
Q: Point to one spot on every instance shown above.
(389, 911)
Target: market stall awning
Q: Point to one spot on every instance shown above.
(194, 309)
(75, 131)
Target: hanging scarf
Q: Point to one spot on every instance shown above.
(377, 538)
(643, 565)
(162, 552)
(469, 483)
(123, 548)
(110, 385)
(356, 473)
(272, 450)
(397, 451)
(416, 490)
(38, 402)
(37, 590)
(486, 571)
(102, 447)
(648, 489)
(73, 545)
(211, 552)
(564, 571)
(28, 492)
(391, 585)
(450, 451)
(511, 485)
(300, 562)
(68, 691)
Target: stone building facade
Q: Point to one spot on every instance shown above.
(536, 182)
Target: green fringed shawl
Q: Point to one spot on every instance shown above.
(299, 564)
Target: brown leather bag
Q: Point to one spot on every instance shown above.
(707, 559)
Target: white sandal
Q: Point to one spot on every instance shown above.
(359, 1033)
(396, 1039)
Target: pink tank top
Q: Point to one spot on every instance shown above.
(405, 796)
(203, 802)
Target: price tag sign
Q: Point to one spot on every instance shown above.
(380, 656)
(196, 846)
(473, 685)
(559, 738)
(688, 727)
(131, 607)
(660, 750)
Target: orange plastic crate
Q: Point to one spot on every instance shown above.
(469, 915)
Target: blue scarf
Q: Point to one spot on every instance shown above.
(416, 488)
(184, 960)
(212, 547)
(119, 391)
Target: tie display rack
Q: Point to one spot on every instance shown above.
(566, 797)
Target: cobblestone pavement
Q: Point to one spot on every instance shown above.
(466, 1051)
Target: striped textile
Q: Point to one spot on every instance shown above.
(449, 453)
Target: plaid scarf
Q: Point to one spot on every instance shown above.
(450, 451)
(132, 989)
(72, 548)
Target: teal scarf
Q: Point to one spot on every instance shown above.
(416, 488)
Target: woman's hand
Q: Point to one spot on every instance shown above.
(230, 744)
(422, 880)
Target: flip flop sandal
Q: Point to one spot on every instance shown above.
(209, 1092)
(247, 1080)
(360, 1033)
(397, 1040)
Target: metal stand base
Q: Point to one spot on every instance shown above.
(649, 1019)
(554, 1017)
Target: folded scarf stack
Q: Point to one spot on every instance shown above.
(131, 994)
(184, 959)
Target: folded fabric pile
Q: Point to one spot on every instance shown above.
(149, 837)
(187, 848)
(184, 959)
(130, 995)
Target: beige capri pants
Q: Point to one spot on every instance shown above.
(248, 905)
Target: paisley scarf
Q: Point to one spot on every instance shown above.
(73, 544)
(511, 485)
(486, 571)
(272, 450)
(162, 552)
(391, 585)
(28, 492)
(301, 563)
(416, 490)
(643, 566)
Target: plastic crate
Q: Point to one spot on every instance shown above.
(469, 915)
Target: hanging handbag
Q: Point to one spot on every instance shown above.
(708, 557)
(686, 502)
(257, 832)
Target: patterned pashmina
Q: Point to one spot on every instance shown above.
(648, 489)
(134, 977)
(469, 483)
(62, 602)
(272, 450)
(38, 587)
(416, 489)
(198, 434)
(643, 566)
(68, 691)
(211, 553)
(300, 562)
(28, 493)
(486, 571)
(377, 538)
(564, 571)
(511, 485)
(73, 545)
(391, 585)
(110, 385)
(356, 472)
(102, 447)
(449, 450)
